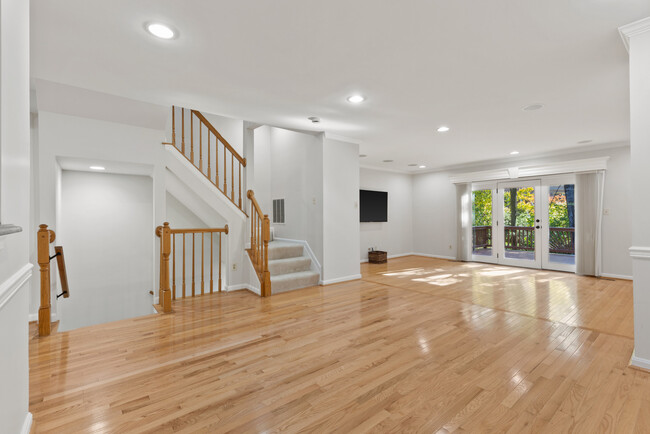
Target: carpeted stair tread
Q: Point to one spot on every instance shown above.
(283, 250)
(291, 281)
(289, 265)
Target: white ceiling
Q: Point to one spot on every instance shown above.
(471, 65)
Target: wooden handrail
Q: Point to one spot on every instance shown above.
(225, 169)
(168, 249)
(214, 131)
(260, 237)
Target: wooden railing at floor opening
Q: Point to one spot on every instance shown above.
(561, 240)
(186, 240)
(209, 152)
(44, 238)
(259, 251)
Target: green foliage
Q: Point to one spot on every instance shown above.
(482, 208)
(524, 210)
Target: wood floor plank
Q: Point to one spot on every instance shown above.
(417, 345)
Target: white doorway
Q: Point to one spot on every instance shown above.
(525, 223)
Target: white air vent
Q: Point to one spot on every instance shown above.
(278, 210)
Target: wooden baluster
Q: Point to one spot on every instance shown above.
(216, 164)
(260, 243)
(45, 237)
(192, 137)
(220, 261)
(174, 126)
(266, 287)
(173, 266)
(202, 262)
(201, 146)
(183, 129)
(232, 177)
(166, 292)
(209, 176)
(193, 266)
(211, 262)
(160, 270)
(225, 172)
(240, 186)
(183, 265)
(252, 226)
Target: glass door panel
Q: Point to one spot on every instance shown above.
(559, 233)
(520, 225)
(483, 245)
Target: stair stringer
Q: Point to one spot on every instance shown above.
(183, 179)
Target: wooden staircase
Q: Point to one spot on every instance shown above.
(214, 158)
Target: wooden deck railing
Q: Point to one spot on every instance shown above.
(259, 251)
(209, 152)
(188, 244)
(561, 240)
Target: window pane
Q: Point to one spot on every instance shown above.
(561, 224)
(482, 222)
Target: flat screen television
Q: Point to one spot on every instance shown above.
(373, 206)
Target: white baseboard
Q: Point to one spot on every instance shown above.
(452, 258)
(341, 279)
(640, 363)
(616, 276)
(27, 424)
(398, 255)
(242, 286)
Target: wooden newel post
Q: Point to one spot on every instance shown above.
(266, 275)
(44, 238)
(166, 293)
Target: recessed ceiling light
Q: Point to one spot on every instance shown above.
(443, 129)
(422, 167)
(584, 142)
(314, 119)
(160, 31)
(356, 99)
(413, 164)
(388, 161)
(532, 107)
(362, 155)
(514, 153)
(97, 168)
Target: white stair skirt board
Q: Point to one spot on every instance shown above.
(638, 362)
(289, 268)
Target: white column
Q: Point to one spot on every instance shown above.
(637, 40)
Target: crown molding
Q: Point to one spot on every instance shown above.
(575, 166)
(633, 29)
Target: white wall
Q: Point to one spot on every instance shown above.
(396, 235)
(120, 148)
(14, 209)
(293, 162)
(434, 205)
(340, 211)
(106, 230)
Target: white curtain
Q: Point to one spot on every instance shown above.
(464, 221)
(589, 216)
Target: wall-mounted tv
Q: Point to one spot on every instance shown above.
(373, 206)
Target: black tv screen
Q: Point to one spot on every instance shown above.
(373, 206)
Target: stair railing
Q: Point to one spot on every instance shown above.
(259, 251)
(188, 244)
(44, 238)
(209, 152)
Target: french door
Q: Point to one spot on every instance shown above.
(527, 223)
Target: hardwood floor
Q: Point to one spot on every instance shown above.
(417, 345)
